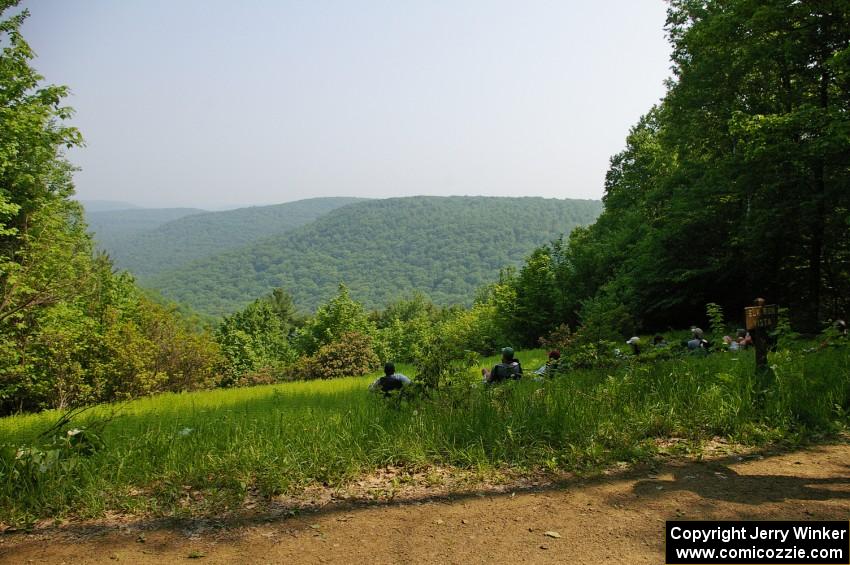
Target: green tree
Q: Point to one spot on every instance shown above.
(340, 315)
(533, 315)
(257, 337)
(71, 330)
(738, 184)
(404, 326)
(33, 131)
(758, 116)
(35, 179)
(284, 308)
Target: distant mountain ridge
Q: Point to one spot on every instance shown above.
(196, 234)
(110, 226)
(445, 247)
(106, 205)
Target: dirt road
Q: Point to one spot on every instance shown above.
(614, 518)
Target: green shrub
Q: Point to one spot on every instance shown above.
(352, 355)
(439, 364)
(604, 318)
(264, 376)
(560, 338)
(340, 315)
(716, 321)
(256, 339)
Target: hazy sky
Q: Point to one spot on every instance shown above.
(220, 103)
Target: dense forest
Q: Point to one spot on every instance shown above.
(183, 238)
(382, 250)
(736, 185)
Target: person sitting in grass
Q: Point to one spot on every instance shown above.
(548, 369)
(509, 368)
(698, 345)
(390, 381)
(743, 338)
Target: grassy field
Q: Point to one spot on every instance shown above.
(280, 438)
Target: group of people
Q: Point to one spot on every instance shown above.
(742, 340)
(697, 341)
(509, 368)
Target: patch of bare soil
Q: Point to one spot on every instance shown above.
(616, 517)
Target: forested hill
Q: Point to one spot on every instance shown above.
(109, 226)
(107, 205)
(445, 247)
(173, 244)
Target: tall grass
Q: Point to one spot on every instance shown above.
(221, 444)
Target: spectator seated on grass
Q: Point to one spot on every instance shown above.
(551, 366)
(389, 382)
(698, 345)
(743, 338)
(658, 341)
(731, 344)
(634, 343)
(509, 368)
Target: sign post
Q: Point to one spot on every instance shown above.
(760, 318)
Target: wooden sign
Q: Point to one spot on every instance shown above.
(762, 317)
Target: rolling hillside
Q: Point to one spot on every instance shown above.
(382, 249)
(172, 244)
(106, 205)
(110, 226)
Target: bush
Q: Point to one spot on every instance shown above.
(477, 329)
(339, 316)
(264, 376)
(255, 340)
(352, 355)
(438, 363)
(604, 318)
(591, 355)
(560, 338)
(402, 340)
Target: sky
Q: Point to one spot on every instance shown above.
(214, 104)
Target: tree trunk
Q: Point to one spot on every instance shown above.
(817, 222)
